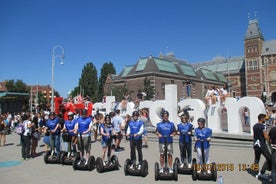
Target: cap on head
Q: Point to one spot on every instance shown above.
(52, 113)
(84, 112)
(202, 120)
(135, 113)
(164, 112)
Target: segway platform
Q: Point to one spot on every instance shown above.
(134, 169)
(110, 165)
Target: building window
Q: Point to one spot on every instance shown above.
(252, 65)
(253, 78)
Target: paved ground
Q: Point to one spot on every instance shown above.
(36, 171)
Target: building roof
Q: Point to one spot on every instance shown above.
(253, 30)
(13, 94)
(169, 65)
(223, 65)
(269, 48)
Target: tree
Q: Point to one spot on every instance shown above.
(107, 68)
(88, 82)
(148, 89)
(119, 92)
(19, 86)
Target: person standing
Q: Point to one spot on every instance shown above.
(53, 127)
(203, 136)
(272, 138)
(2, 131)
(117, 122)
(134, 132)
(260, 137)
(83, 128)
(189, 84)
(106, 131)
(165, 130)
(26, 137)
(184, 129)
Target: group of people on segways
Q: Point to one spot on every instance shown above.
(77, 132)
(201, 169)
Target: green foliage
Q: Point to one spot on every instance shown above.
(89, 81)
(17, 86)
(119, 92)
(107, 68)
(148, 89)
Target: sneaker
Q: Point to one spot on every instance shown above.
(139, 167)
(161, 170)
(208, 171)
(86, 162)
(181, 165)
(170, 170)
(79, 163)
(131, 167)
(104, 164)
(199, 171)
(189, 165)
(264, 176)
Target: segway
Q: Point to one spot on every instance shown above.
(51, 157)
(67, 158)
(166, 175)
(79, 164)
(203, 174)
(110, 165)
(182, 170)
(134, 169)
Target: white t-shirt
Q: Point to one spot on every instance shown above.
(26, 125)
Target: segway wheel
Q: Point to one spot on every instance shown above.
(114, 159)
(214, 172)
(175, 171)
(177, 161)
(46, 155)
(156, 171)
(194, 169)
(75, 161)
(99, 164)
(62, 158)
(127, 163)
(144, 168)
(91, 163)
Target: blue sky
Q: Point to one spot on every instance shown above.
(120, 31)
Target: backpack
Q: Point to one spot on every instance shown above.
(20, 129)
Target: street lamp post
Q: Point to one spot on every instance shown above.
(54, 56)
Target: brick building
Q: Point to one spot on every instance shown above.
(253, 74)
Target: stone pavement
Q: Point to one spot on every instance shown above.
(223, 152)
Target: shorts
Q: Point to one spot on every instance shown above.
(145, 133)
(46, 140)
(86, 143)
(162, 148)
(119, 136)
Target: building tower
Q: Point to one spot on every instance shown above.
(253, 42)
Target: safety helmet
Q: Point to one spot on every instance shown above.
(84, 112)
(70, 114)
(202, 120)
(164, 112)
(135, 113)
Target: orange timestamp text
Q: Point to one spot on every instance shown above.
(226, 167)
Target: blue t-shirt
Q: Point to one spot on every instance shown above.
(184, 128)
(69, 125)
(165, 129)
(83, 124)
(202, 135)
(135, 127)
(51, 124)
(108, 130)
